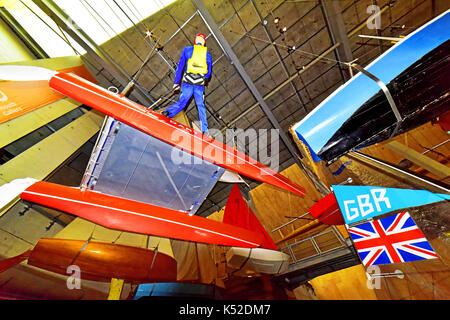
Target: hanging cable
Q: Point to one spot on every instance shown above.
(124, 41)
(92, 15)
(91, 236)
(172, 67)
(151, 266)
(117, 16)
(67, 40)
(68, 43)
(207, 105)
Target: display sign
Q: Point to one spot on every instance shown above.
(358, 203)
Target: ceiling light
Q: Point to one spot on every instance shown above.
(276, 20)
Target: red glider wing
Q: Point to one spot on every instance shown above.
(167, 130)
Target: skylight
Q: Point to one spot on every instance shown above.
(101, 20)
(42, 29)
(104, 19)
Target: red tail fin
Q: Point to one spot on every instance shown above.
(238, 213)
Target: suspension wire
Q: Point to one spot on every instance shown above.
(49, 27)
(122, 39)
(68, 43)
(139, 18)
(148, 41)
(91, 236)
(283, 63)
(180, 29)
(315, 55)
(253, 42)
(136, 12)
(67, 40)
(226, 21)
(140, 32)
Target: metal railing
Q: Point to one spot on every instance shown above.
(315, 245)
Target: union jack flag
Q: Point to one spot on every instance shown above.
(393, 239)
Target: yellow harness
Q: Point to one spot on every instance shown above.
(197, 63)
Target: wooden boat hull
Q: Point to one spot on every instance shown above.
(102, 261)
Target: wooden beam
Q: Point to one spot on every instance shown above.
(423, 161)
(19, 127)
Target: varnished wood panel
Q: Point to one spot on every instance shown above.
(345, 284)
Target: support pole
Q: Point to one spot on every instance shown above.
(23, 35)
(408, 177)
(425, 162)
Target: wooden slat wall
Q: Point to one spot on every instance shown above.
(428, 279)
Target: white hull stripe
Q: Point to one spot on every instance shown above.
(138, 214)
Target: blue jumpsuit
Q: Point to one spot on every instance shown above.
(187, 89)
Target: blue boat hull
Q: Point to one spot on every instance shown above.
(417, 73)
